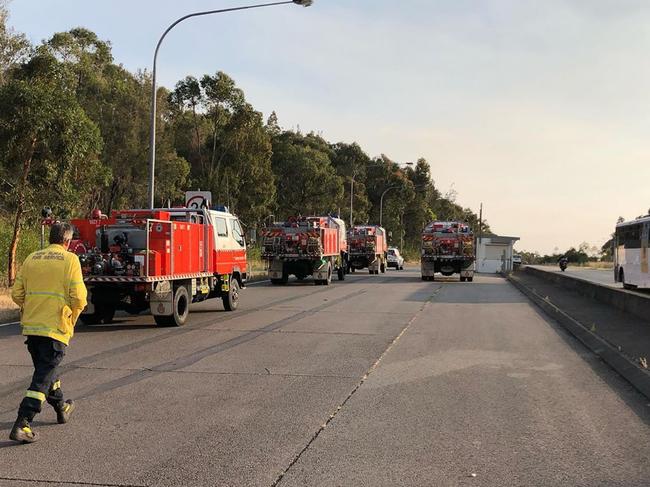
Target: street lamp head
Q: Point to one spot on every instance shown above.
(304, 3)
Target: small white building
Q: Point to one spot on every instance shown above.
(494, 253)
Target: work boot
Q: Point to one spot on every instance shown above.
(63, 414)
(22, 432)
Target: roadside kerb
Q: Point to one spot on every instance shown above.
(638, 377)
(628, 301)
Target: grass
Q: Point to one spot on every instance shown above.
(597, 265)
(256, 266)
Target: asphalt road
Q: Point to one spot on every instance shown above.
(379, 380)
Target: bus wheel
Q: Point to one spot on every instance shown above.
(621, 279)
(231, 299)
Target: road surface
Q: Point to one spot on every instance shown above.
(378, 380)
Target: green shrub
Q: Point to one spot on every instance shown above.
(30, 240)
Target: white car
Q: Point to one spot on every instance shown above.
(516, 260)
(395, 259)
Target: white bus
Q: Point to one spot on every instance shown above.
(631, 253)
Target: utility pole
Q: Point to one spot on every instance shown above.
(351, 197)
(480, 224)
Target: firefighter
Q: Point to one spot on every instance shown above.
(51, 294)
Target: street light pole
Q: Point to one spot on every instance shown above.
(152, 135)
(351, 197)
(381, 203)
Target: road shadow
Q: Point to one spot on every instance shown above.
(113, 327)
(9, 331)
(499, 291)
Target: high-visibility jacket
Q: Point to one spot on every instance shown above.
(50, 292)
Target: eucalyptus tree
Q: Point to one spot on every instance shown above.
(48, 145)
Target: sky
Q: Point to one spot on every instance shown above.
(540, 110)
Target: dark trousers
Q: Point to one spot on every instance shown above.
(47, 354)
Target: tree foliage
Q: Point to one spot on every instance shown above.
(74, 135)
(48, 145)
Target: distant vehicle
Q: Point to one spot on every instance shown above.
(395, 259)
(631, 253)
(367, 248)
(448, 248)
(564, 263)
(516, 259)
(305, 246)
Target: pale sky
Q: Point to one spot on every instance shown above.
(538, 109)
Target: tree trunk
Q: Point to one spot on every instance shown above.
(198, 137)
(113, 196)
(18, 220)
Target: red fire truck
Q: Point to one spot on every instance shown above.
(162, 259)
(448, 248)
(367, 248)
(305, 246)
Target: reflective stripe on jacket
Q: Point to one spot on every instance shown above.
(50, 292)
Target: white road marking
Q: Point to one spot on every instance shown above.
(257, 282)
(9, 324)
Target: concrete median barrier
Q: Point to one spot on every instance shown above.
(628, 301)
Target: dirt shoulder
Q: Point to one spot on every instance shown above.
(8, 309)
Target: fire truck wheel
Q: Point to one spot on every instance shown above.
(108, 313)
(341, 274)
(231, 299)
(103, 313)
(181, 309)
